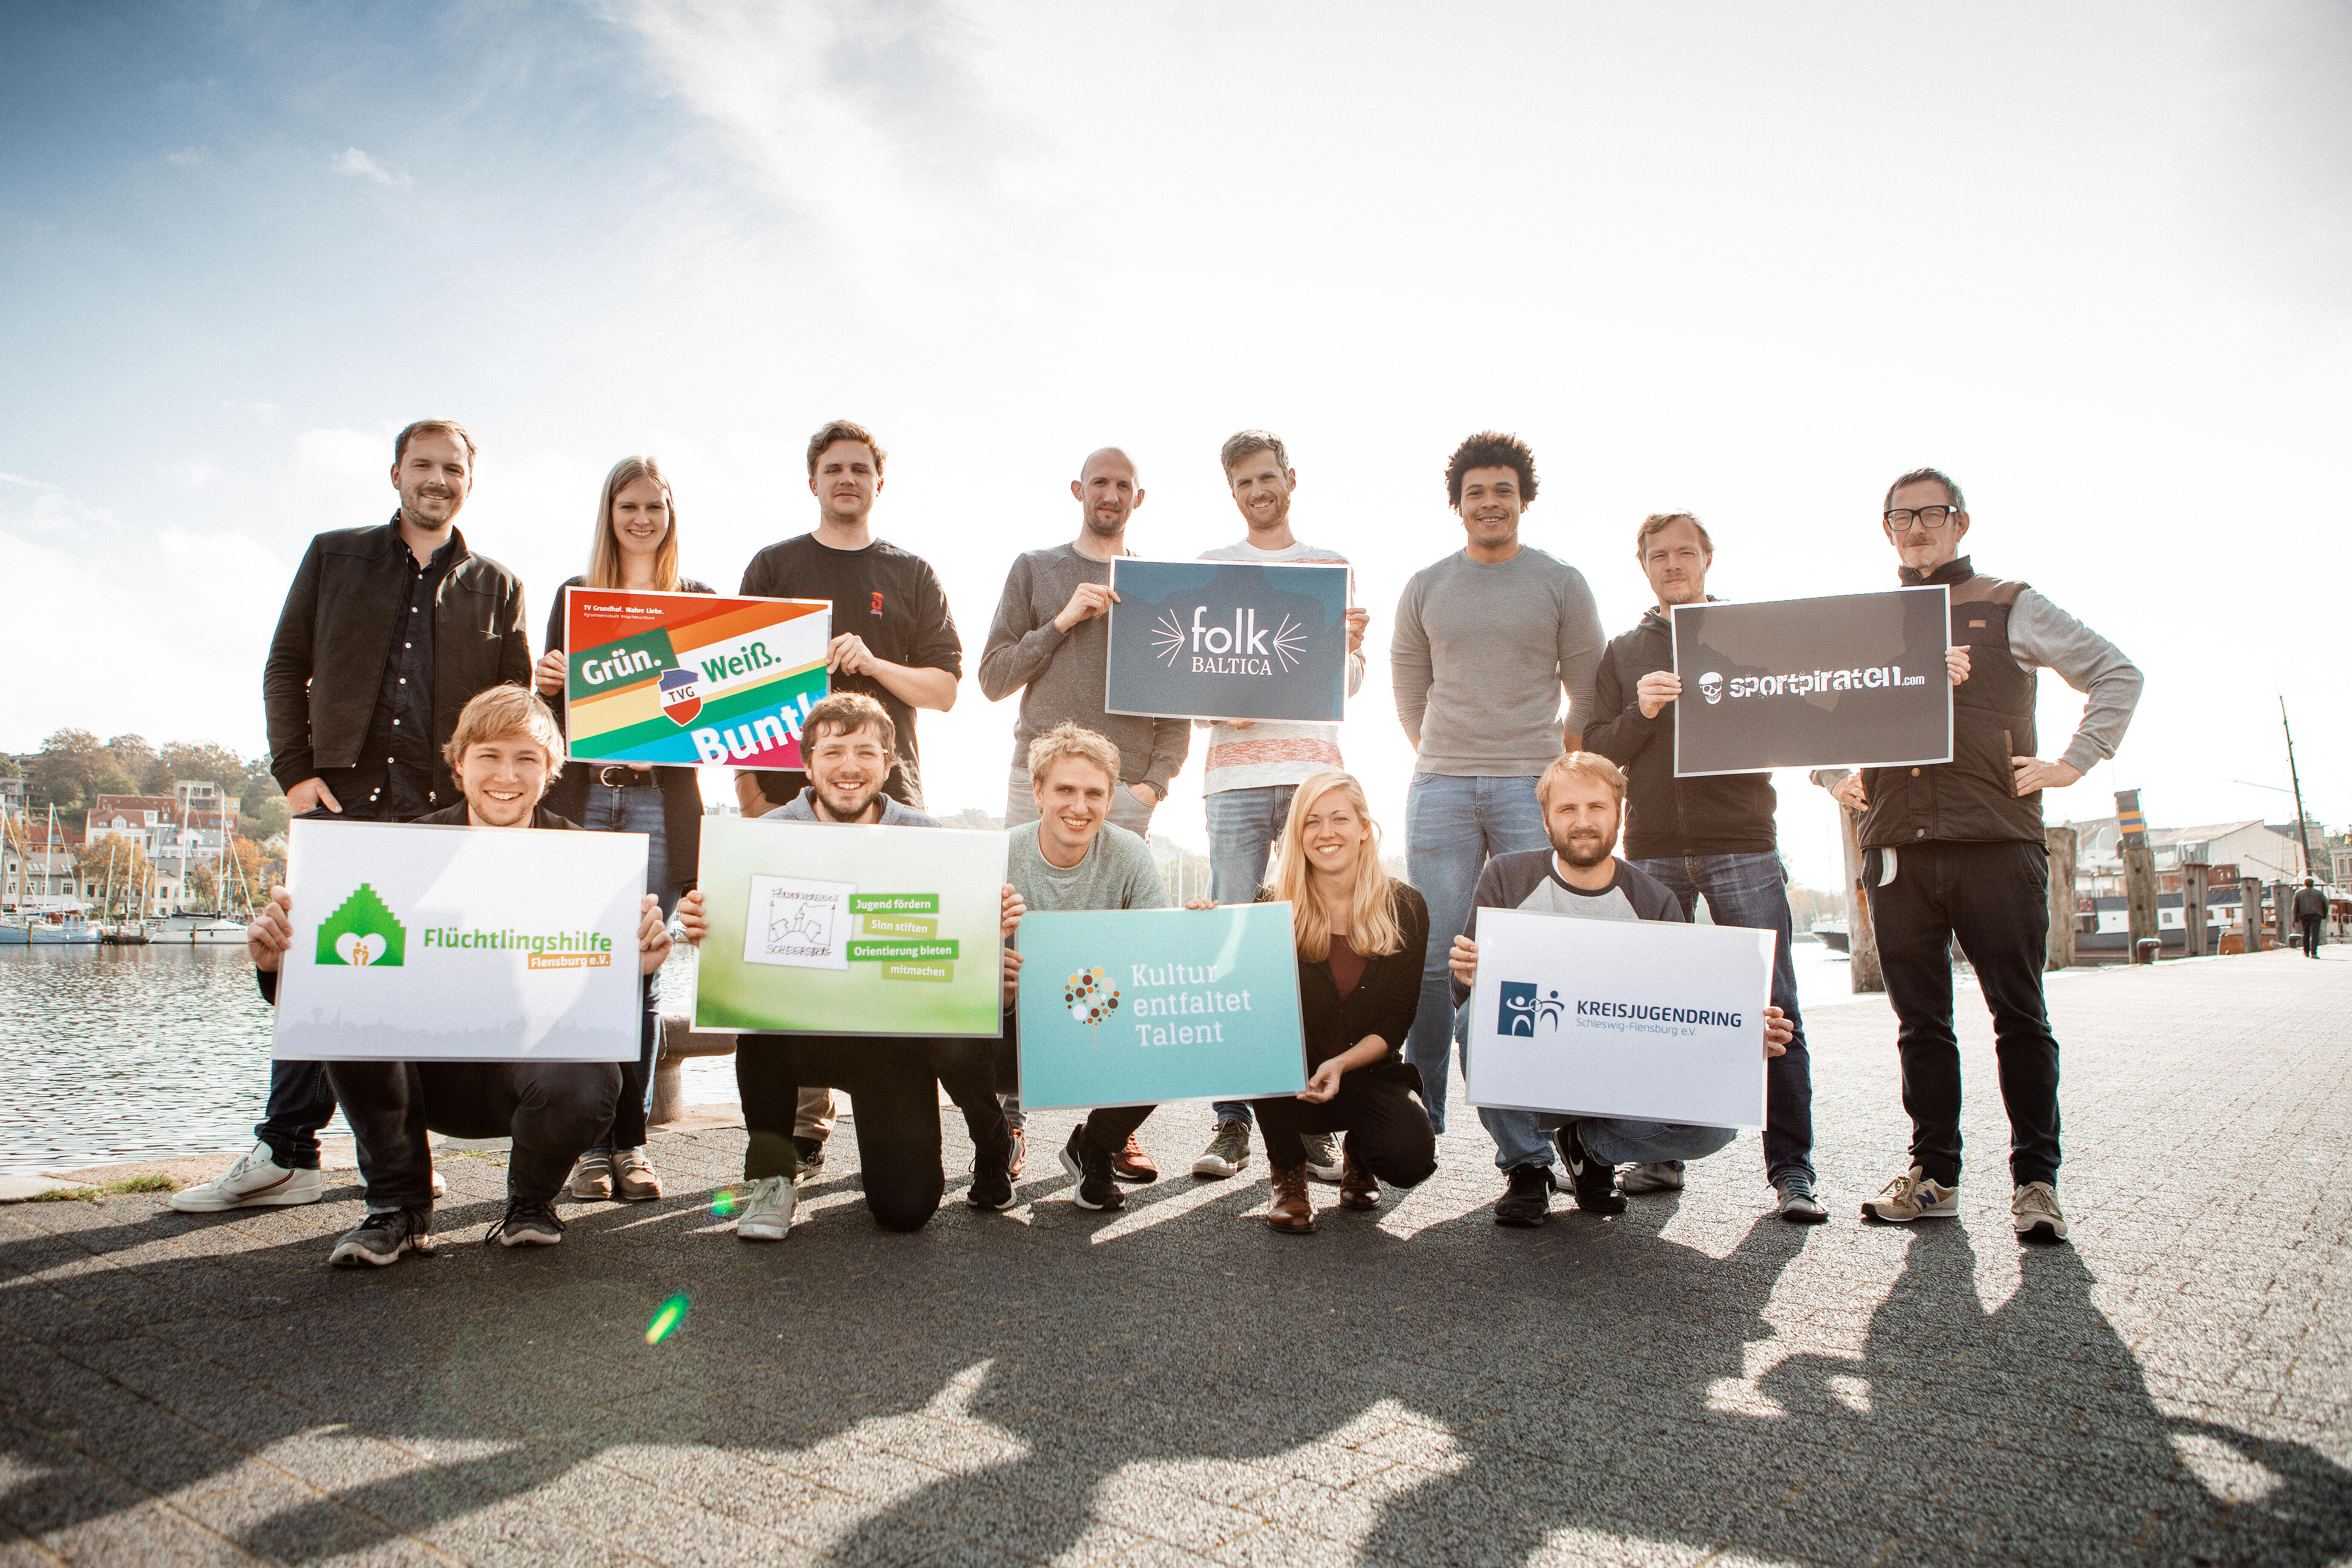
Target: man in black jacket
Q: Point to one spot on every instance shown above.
(387, 633)
(504, 753)
(1713, 837)
(2310, 913)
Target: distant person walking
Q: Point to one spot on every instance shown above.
(387, 633)
(2311, 914)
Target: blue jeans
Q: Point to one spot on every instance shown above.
(1752, 891)
(637, 809)
(1614, 1141)
(1243, 825)
(1451, 827)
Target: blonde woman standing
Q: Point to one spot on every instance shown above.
(1362, 937)
(635, 546)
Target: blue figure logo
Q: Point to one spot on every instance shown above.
(1516, 1014)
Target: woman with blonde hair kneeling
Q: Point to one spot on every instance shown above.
(1361, 936)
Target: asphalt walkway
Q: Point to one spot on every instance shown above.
(1694, 1382)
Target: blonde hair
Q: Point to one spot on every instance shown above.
(605, 554)
(501, 712)
(1588, 764)
(1373, 927)
(1068, 739)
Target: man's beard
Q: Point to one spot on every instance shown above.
(863, 804)
(1101, 530)
(1583, 858)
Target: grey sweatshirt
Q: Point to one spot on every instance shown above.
(1116, 873)
(1061, 675)
(2043, 636)
(1480, 656)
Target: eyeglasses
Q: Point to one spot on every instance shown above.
(1930, 517)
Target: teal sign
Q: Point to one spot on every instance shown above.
(1137, 1007)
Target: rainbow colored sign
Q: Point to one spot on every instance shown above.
(691, 677)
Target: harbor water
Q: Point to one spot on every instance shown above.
(144, 1053)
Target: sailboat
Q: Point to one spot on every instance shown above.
(60, 922)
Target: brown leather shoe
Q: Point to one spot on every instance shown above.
(1132, 1164)
(634, 1181)
(592, 1178)
(1290, 1210)
(1357, 1189)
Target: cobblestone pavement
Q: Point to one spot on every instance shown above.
(1695, 1382)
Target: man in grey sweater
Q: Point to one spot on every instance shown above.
(1050, 642)
(1487, 640)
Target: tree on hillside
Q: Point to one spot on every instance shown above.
(267, 821)
(73, 769)
(139, 763)
(209, 761)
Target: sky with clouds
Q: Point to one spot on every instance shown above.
(1749, 260)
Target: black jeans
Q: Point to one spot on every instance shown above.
(1388, 1136)
(1995, 897)
(1109, 1127)
(895, 1086)
(627, 1128)
(552, 1111)
(2310, 937)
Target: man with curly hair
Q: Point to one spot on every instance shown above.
(1487, 640)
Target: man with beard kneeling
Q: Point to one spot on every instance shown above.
(504, 753)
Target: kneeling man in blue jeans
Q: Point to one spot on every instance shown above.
(1583, 799)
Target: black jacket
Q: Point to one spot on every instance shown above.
(1385, 998)
(1667, 817)
(2310, 904)
(326, 663)
(681, 790)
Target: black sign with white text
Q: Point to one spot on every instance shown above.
(1857, 681)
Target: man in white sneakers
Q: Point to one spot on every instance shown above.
(1254, 765)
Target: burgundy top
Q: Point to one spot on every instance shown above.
(1347, 965)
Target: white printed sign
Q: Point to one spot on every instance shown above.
(415, 943)
(1651, 1020)
(797, 923)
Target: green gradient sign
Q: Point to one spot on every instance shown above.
(833, 928)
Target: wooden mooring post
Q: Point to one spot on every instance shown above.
(2062, 842)
(2139, 877)
(1861, 943)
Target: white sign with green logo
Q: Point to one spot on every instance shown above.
(837, 929)
(415, 943)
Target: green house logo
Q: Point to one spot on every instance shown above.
(363, 934)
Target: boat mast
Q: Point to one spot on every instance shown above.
(2301, 831)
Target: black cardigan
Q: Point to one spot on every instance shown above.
(681, 791)
(1384, 1001)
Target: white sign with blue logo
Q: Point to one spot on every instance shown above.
(1648, 1020)
(1137, 1007)
(1228, 639)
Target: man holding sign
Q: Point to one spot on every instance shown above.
(1583, 800)
(504, 752)
(1075, 857)
(894, 1081)
(1712, 836)
(1956, 849)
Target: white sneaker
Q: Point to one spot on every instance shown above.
(440, 1187)
(256, 1181)
(1654, 1176)
(767, 1214)
(1323, 1161)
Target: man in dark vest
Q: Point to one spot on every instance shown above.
(1956, 849)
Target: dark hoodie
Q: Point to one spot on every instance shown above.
(1667, 817)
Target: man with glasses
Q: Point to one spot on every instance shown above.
(1956, 849)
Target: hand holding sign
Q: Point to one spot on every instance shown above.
(1089, 600)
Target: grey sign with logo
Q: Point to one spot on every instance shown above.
(1854, 679)
(1228, 639)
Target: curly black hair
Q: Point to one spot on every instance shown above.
(1491, 449)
